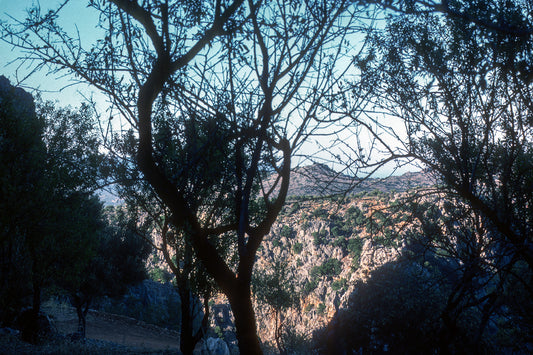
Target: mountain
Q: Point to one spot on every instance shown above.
(318, 180)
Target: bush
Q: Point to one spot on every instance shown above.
(159, 275)
(297, 247)
(355, 246)
(309, 287)
(338, 284)
(331, 267)
(286, 231)
(320, 213)
(321, 309)
(319, 237)
(341, 242)
(354, 216)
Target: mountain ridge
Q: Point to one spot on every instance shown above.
(319, 180)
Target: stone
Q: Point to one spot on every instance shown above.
(211, 346)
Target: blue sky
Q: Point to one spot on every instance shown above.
(74, 14)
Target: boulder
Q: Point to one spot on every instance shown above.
(211, 346)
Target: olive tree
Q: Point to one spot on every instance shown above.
(454, 95)
(451, 91)
(258, 68)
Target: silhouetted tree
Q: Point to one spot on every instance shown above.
(118, 261)
(21, 155)
(259, 68)
(53, 216)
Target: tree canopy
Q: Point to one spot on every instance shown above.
(252, 72)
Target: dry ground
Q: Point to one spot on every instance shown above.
(113, 328)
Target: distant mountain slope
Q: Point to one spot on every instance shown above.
(320, 180)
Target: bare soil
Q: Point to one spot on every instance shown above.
(113, 328)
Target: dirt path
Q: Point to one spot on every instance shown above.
(113, 328)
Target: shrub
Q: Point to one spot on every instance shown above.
(159, 275)
(297, 247)
(320, 213)
(354, 216)
(309, 287)
(355, 246)
(340, 242)
(321, 309)
(330, 267)
(338, 284)
(319, 237)
(286, 231)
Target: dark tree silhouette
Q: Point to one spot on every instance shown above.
(259, 68)
(119, 261)
(52, 217)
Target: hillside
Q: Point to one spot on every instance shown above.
(325, 245)
(318, 180)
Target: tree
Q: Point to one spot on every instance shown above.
(53, 218)
(465, 104)
(259, 68)
(204, 144)
(395, 310)
(118, 261)
(21, 154)
(459, 90)
(276, 289)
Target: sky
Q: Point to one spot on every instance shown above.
(51, 87)
(75, 15)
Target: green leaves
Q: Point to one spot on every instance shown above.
(276, 287)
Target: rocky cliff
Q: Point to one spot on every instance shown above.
(327, 242)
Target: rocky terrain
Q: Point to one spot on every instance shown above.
(322, 241)
(318, 180)
(327, 245)
(327, 241)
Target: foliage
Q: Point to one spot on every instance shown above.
(159, 275)
(329, 268)
(339, 284)
(309, 286)
(297, 247)
(393, 311)
(320, 237)
(276, 288)
(319, 212)
(21, 155)
(464, 103)
(286, 232)
(55, 238)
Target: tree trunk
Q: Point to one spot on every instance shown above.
(187, 341)
(278, 332)
(31, 329)
(79, 302)
(246, 330)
